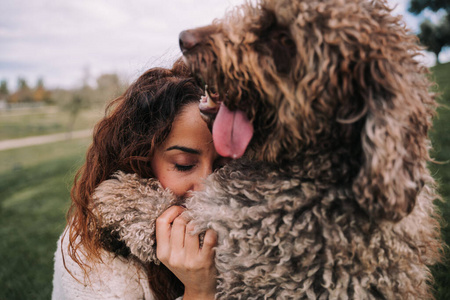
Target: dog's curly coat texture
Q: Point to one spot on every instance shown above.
(127, 207)
(333, 198)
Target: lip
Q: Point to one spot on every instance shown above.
(209, 104)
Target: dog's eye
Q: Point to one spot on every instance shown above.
(287, 41)
(275, 41)
(283, 50)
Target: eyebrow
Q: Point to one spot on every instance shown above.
(184, 149)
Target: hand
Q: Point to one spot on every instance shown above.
(180, 252)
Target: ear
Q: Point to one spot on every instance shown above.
(394, 141)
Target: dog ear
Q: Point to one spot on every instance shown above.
(393, 138)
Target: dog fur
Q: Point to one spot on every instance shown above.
(333, 198)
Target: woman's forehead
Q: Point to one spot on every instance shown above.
(189, 129)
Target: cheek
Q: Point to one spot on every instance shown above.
(169, 178)
(174, 182)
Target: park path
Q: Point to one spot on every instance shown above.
(43, 139)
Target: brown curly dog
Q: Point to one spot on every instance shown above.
(331, 198)
(330, 110)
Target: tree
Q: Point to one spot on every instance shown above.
(417, 6)
(109, 86)
(434, 36)
(40, 94)
(4, 92)
(77, 100)
(23, 93)
(74, 109)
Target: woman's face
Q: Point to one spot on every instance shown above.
(187, 155)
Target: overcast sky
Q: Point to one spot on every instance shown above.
(60, 40)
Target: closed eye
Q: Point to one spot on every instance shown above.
(183, 168)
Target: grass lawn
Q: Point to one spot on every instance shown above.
(14, 126)
(34, 197)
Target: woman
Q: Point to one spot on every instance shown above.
(155, 131)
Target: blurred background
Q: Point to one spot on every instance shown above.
(62, 61)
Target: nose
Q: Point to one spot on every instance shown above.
(188, 40)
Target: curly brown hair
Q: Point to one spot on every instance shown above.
(134, 124)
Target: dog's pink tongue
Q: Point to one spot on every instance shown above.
(232, 131)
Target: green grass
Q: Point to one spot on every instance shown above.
(18, 126)
(34, 199)
(440, 136)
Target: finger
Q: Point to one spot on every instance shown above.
(163, 229)
(209, 242)
(191, 242)
(178, 233)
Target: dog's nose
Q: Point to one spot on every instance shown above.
(188, 40)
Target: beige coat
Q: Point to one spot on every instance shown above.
(115, 278)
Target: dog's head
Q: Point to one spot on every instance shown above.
(333, 82)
